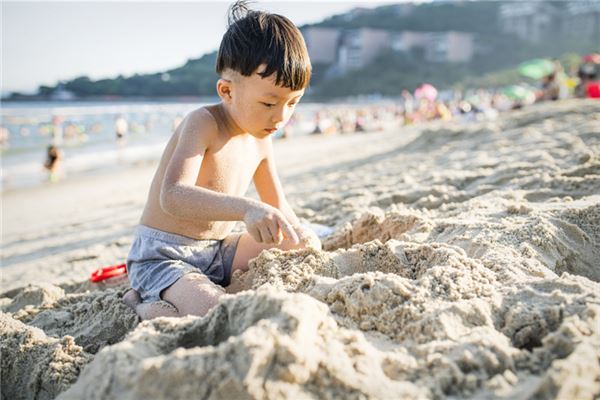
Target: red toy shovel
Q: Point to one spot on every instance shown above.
(105, 273)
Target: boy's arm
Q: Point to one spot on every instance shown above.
(268, 186)
(179, 194)
(270, 191)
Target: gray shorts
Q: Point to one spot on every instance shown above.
(158, 259)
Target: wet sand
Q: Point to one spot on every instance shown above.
(464, 262)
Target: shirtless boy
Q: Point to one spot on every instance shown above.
(184, 251)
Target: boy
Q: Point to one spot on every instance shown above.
(184, 252)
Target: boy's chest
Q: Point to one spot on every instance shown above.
(229, 168)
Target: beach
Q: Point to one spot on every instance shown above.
(464, 263)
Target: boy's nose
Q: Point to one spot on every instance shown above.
(278, 117)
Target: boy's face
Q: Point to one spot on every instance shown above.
(256, 104)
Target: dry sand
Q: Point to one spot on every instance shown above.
(465, 263)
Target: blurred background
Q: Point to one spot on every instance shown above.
(100, 85)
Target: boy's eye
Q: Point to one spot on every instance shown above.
(268, 105)
(292, 104)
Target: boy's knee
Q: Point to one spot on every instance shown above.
(132, 298)
(193, 294)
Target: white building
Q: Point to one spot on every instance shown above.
(437, 46)
(454, 47)
(582, 20)
(322, 44)
(530, 21)
(358, 47)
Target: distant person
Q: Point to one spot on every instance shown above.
(587, 79)
(408, 102)
(317, 130)
(53, 163)
(57, 130)
(4, 138)
(121, 128)
(184, 251)
(549, 88)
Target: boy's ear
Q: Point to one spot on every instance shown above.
(224, 88)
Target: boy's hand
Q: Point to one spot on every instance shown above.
(307, 237)
(267, 224)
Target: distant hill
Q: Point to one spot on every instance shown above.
(196, 77)
(468, 16)
(388, 74)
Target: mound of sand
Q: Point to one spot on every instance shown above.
(35, 366)
(464, 263)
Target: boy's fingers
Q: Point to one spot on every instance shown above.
(273, 231)
(255, 233)
(288, 231)
(265, 235)
(279, 236)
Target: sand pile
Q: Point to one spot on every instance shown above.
(465, 263)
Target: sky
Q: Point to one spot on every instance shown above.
(44, 42)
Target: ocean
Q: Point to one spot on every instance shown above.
(85, 132)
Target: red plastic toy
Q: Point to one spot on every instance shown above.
(104, 273)
(593, 90)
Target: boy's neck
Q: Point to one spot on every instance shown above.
(233, 129)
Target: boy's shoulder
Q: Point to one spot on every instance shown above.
(200, 122)
(202, 115)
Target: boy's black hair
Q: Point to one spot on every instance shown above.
(256, 37)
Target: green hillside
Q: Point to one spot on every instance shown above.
(480, 17)
(196, 77)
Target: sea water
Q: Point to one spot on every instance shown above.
(85, 133)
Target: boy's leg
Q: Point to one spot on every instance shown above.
(193, 294)
(248, 248)
(156, 309)
(149, 310)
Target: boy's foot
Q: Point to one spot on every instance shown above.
(132, 298)
(156, 309)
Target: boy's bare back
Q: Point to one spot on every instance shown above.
(224, 163)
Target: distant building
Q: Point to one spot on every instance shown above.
(449, 46)
(454, 47)
(405, 41)
(582, 20)
(358, 47)
(322, 44)
(530, 21)
(351, 49)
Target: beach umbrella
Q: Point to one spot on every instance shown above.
(426, 91)
(516, 92)
(593, 58)
(537, 68)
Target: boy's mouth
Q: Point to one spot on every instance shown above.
(271, 130)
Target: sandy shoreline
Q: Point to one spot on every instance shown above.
(465, 262)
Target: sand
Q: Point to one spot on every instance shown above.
(464, 263)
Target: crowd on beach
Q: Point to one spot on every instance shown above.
(427, 104)
(424, 104)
